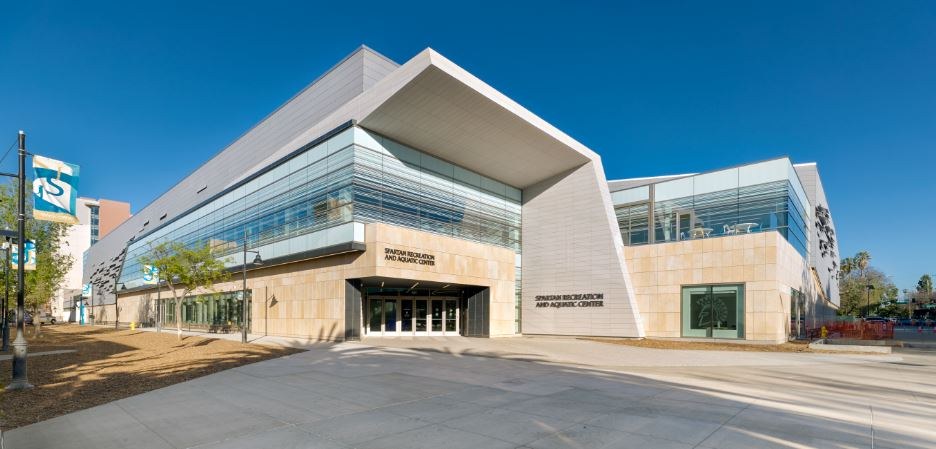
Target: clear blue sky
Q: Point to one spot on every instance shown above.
(139, 93)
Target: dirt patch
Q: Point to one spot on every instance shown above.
(113, 364)
(707, 346)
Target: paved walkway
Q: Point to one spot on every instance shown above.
(37, 354)
(522, 393)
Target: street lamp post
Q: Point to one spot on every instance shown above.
(20, 380)
(257, 261)
(868, 311)
(8, 236)
(158, 305)
(116, 307)
(6, 298)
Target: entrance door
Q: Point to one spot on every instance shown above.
(390, 317)
(406, 316)
(374, 317)
(420, 324)
(412, 316)
(715, 311)
(382, 317)
(443, 317)
(436, 316)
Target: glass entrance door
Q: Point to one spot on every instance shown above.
(419, 321)
(382, 317)
(715, 311)
(390, 316)
(406, 316)
(411, 316)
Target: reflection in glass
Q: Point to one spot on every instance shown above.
(390, 315)
(437, 316)
(374, 313)
(406, 312)
(421, 315)
(450, 315)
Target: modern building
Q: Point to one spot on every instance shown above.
(747, 252)
(415, 199)
(96, 218)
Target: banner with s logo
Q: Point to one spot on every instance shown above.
(150, 274)
(55, 190)
(29, 263)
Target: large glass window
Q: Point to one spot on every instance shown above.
(713, 311)
(221, 312)
(754, 198)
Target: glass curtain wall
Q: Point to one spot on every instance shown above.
(398, 185)
(218, 312)
(759, 197)
(353, 176)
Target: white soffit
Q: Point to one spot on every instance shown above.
(444, 110)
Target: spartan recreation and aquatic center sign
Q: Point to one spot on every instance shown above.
(563, 301)
(404, 256)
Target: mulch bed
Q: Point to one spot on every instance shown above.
(112, 364)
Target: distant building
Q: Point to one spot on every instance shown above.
(96, 218)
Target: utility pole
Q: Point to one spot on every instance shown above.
(20, 380)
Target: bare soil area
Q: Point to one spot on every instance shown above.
(112, 364)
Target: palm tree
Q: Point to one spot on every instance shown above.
(862, 259)
(847, 266)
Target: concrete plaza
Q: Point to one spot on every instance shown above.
(522, 393)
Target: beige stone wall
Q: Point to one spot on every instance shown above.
(306, 299)
(765, 263)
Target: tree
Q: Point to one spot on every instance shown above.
(925, 286)
(862, 261)
(185, 269)
(847, 266)
(855, 274)
(890, 308)
(52, 265)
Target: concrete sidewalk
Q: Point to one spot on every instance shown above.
(522, 392)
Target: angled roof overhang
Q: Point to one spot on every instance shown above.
(433, 105)
(443, 110)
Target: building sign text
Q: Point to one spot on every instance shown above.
(577, 300)
(399, 255)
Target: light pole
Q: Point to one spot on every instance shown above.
(116, 308)
(97, 287)
(257, 261)
(20, 381)
(158, 306)
(868, 311)
(8, 237)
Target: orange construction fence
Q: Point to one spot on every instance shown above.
(858, 330)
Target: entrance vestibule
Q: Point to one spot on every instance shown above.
(415, 316)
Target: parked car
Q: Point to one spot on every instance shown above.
(43, 319)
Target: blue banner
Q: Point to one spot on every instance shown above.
(30, 263)
(55, 190)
